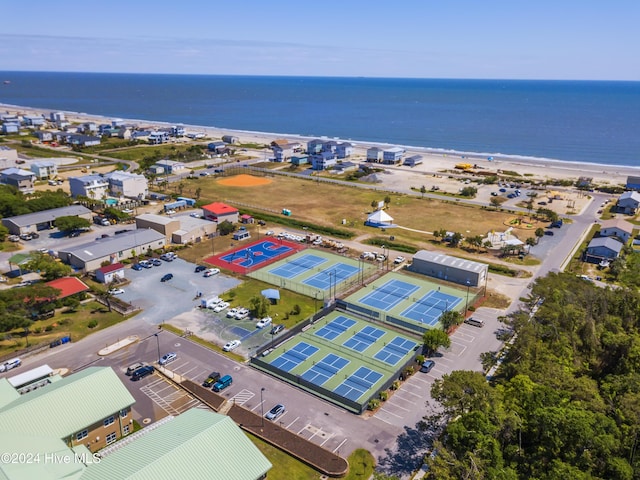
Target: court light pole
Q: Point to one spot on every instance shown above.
(158, 342)
(466, 305)
(262, 406)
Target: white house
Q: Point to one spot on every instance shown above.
(324, 160)
(617, 227)
(374, 155)
(130, 185)
(92, 186)
(344, 150)
(23, 180)
(158, 137)
(45, 169)
(110, 273)
(629, 202)
(393, 155)
(8, 157)
(168, 166)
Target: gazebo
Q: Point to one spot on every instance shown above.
(379, 218)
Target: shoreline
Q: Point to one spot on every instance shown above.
(433, 158)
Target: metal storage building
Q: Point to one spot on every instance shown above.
(452, 269)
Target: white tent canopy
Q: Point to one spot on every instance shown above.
(380, 216)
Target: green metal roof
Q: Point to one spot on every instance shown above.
(198, 444)
(45, 458)
(8, 394)
(68, 406)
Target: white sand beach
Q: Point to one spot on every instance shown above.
(434, 161)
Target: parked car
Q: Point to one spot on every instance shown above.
(264, 322)
(133, 367)
(145, 264)
(200, 268)
(211, 272)
(269, 232)
(221, 306)
(231, 345)
(116, 291)
(166, 277)
(275, 412)
(399, 259)
(168, 257)
(232, 312)
(223, 383)
(10, 364)
(427, 366)
(211, 379)
(167, 358)
(156, 262)
(136, 266)
(276, 329)
(74, 233)
(548, 232)
(142, 372)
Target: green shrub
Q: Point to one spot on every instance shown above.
(373, 404)
(395, 385)
(92, 324)
(420, 359)
(384, 395)
(296, 310)
(472, 308)
(48, 328)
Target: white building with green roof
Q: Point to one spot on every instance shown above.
(198, 444)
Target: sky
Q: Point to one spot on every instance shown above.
(492, 39)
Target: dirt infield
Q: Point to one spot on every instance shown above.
(244, 180)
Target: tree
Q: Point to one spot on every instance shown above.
(226, 227)
(374, 204)
(259, 306)
(529, 205)
(487, 244)
(47, 266)
(531, 241)
(423, 190)
(387, 201)
(455, 239)
(497, 201)
(450, 318)
(469, 192)
(70, 223)
(435, 338)
(198, 193)
(539, 233)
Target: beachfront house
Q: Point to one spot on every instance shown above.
(36, 121)
(282, 153)
(374, 155)
(344, 150)
(217, 147)
(602, 249)
(628, 203)
(44, 136)
(230, 139)
(298, 160)
(10, 127)
(158, 137)
(413, 160)
(633, 183)
(95, 187)
(315, 146)
(393, 155)
(323, 160)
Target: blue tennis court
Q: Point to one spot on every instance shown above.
(395, 350)
(293, 268)
(335, 328)
(325, 369)
(331, 276)
(389, 295)
(255, 254)
(364, 338)
(294, 356)
(358, 383)
(429, 308)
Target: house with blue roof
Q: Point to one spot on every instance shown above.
(602, 249)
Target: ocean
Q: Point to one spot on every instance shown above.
(580, 121)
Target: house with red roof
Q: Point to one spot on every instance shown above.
(68, 286)
(110, 273)
(219, 212)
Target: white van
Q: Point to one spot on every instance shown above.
(9, 364)
(476, 322)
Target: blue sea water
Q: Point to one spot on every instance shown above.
(593, 122)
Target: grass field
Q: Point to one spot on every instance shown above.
(327, 204)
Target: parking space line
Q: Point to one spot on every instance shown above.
(258, 405)
(395, 405)
(390, 413)
(410, 393)
(464, 337)
(302, 429)
(398, 397)
(338, 447)
(195, 367)
(242, 397)
(289, 426)
(326, 440)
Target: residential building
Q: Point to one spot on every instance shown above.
(393, 155)
(282, 153)
(344, 167)
(602, 249)
(167, 166)
(90, 256)
(8, 157)
(10, 127)
(177, 131)
(323, 160)
(299, 160)
(315, 146)
(617, 227)
(34, 222)
(344, 150)
(44, 169)
(219, 212)
(413, 160)
(453, 269)
(125, 184)
(68, 286)
(158, 137)
(95, 187)
(628, 203)
(44, 136)
(83, 140)
(230, 139)
(633, 183)
(34, 120)
(57, 117)
(374, 155)
(23, 180)
(110, 273)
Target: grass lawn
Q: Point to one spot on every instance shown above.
(74, 324)
(285, 467)
(361, 465)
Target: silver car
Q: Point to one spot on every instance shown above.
(275, 412)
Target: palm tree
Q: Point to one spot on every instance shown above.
(539, 233)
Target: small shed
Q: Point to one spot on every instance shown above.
(110, 273)
(241, 235)
(246, 218)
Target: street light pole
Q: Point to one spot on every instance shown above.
(262, 406)
(158, 342)
(466, 305)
